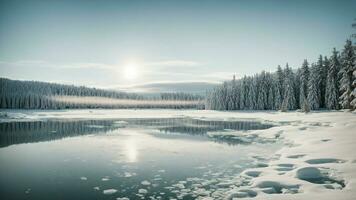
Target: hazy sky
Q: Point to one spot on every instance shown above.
(122, 42)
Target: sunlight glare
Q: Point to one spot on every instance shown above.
(131, 151)
(130, 71)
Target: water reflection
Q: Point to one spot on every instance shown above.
(131, 150)
(37, 131)
(197, 126)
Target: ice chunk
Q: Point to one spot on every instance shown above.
(179, 185)
(128, 174)
(145, 182)
(109, 191)
(142, 191)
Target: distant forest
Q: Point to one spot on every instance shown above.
(329, 83)
(17, 94)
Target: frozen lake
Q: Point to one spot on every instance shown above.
(158, 158)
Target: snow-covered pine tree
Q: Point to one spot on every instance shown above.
(230, 96)
(270, 100)
(223, 100)
(243, 93)
(289, 100)
(279, 93)
(296, 83)
(270, 87)
(332, 93)
(353, 94)
(313, 97)
(238, 95)
(304, 78)
(347, 68)
(322, 74)
(261, 91)
(277, 97)
(252, 97)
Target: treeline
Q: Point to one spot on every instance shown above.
(181, 96)
(16, 94)
(329, 83)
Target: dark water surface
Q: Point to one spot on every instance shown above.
(134, 158)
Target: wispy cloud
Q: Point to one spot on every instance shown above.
(87, 66)
(22, 62)
(173, 63)
(94, 65)
(42, 63)
(220, 75)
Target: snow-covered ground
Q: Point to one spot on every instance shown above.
(317, 162)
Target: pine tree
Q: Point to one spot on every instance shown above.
(304, 78)
(297, 84)
(270, 101)
(322, 75)
(313, 97)
(332, 93)
(223, 101)
(277, 98)
(289, 101)
(262, 91)
(235, 93)
(251, 97)
(230, 96)
(347, 68)
(353, 94)
(279, 93)
(243, 93)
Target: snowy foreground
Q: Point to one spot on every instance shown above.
(318, 160)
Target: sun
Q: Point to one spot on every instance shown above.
(130, 71)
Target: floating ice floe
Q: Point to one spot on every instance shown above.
(179, 185)
(122, 198)
(96, 188)
(83, 178)
(193, 179)
(142, 191)
(109, 191)
(157, 179)
(145, 182)
(129, 174)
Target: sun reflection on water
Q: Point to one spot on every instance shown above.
(131, 150)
